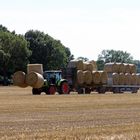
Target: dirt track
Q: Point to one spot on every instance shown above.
(22, 113)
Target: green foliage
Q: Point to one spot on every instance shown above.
(14, 53)
(113, 56)
(82, 58)
(47, 51)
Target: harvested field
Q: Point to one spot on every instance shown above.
(68, 117)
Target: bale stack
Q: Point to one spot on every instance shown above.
(35, 68)
(76, 64)
(138, 78)
(128, 78)
(121, 79)
(133, 68)
(111, 67)
(103, 77)
(87, 77)
(19, 79)
(96, 77)
(34, 80)
(80, 77)
(121, 68)
(115, 78)
(133, 79)
(127, 68)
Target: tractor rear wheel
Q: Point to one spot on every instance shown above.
(52, 90)
(64, 88)
(36, 91)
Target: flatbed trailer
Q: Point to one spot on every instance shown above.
(70, 75)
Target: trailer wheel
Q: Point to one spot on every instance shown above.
(102, 90)
(80, 91)
(64, 88)
(134, 90)
(116, 90)
(87, 90)
(36, 91)
(52, 90)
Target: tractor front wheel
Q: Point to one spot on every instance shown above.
(52, 90)
(36, 91)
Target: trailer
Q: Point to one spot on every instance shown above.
(71, 75)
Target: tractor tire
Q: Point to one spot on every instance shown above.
(64, 88)
(52, 90)
(36, 91)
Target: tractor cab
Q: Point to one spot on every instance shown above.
(53, 77)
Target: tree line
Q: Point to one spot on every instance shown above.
(16, 51)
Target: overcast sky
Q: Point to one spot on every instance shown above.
(85, 26)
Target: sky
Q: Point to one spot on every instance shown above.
(85, 26)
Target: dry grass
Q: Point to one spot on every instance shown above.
(68, 117)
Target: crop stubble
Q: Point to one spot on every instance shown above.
(94, 116)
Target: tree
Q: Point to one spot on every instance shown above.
(47, 51)
(82, 58)
(14, 53)
(113, 56)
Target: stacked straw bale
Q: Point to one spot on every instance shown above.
(87, 77)
(19, 79)
(121, 79)
(132, 68)
(127, 68)
(128, 78)
(96, 77)
(138, 78)
(103, 77)
(133, 79)
(35, 68)
(76, 64)
(111, 67)
(80, 77)
(121, 68)
(115, 78)
(34, 80)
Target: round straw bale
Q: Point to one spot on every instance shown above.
(121, 68)
(133, 68)
(87, 77)
(72, 64)
(35, 68)
(134, 79)
(111, 67)
(96, 77)
(19, 79)
(127, 68)
(103, 77)
(94, 65)
(127, 80)
(121, 79)
(80, 77)
(138, 78)
(115, 78)
(76, 64)
(87, 66)
(35, 80)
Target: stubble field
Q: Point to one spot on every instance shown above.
(68, 117)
